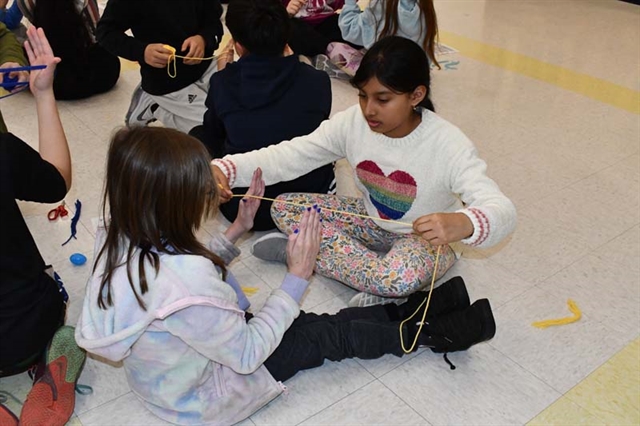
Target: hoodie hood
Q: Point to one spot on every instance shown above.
(112, 332)
(256, 81)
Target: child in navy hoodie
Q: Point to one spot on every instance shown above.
(264, 98)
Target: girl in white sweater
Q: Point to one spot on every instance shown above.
(413, 167)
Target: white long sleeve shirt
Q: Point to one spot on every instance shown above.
(434, 169)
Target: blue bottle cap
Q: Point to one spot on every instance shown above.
(78, 259)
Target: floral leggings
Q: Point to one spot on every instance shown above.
(350, 247)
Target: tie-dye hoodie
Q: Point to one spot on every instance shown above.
(190, 357)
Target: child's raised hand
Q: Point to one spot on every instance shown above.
(443, 228)
(294, 6)
(157, 55)
(194, 46)
(304, 245)
(248, 205)
(40, 53)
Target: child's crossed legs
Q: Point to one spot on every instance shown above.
(348, 252)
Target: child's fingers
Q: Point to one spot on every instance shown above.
(30, 54)
(46, 47)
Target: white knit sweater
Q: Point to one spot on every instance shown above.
(434, 169)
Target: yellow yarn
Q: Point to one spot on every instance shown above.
(171, 62)
(561, 321)
(424, 314)
(291, 203)
(250, 291)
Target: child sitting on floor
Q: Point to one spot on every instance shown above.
(264, 98)
(166, 305)
(423, 182)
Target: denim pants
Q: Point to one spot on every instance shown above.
(365, 333)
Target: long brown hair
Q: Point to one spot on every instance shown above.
(158, 188)
(428, 11)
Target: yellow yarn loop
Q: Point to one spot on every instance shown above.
(171, 62)
(424, 314)
(561, 321)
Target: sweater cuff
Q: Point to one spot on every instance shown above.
(294, 286)
(224, 248)
(228, 167)
(481, 227)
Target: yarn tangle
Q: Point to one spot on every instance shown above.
(74, 222)
(561, 321)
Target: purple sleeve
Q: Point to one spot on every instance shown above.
(294, 286)
(243, 302)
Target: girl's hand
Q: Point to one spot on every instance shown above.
(294, 6)
(304, 245)
(443, 228)
(223, 184)
(23, 76)
(194, 46)
(40, 53)
(249, 206)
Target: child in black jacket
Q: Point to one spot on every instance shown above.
(192, 28)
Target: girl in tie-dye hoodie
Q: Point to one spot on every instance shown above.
(165, 305)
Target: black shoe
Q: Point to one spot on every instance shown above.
(458, 330)
(448, 297)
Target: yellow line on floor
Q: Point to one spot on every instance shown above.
(592, 87)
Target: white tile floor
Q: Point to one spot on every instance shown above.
(570, 163)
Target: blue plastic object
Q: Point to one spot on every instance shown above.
(78, 259)
(9, 83)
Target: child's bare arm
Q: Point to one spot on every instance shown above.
(52, 140)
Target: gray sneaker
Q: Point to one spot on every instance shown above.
(362, 300)
(323, 63)
(271, 247)
(141, 109)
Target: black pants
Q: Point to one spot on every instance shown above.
(28, 328)
(365, 333)
(98, 74)
(311, 40)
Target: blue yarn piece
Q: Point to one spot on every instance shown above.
(74, 222)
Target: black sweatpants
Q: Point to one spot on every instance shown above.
(365, 333)
(77, 81)
(311, 40)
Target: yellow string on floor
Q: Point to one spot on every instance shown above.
(561, 321)
(250, 291)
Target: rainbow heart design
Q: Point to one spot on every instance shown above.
(392, 195)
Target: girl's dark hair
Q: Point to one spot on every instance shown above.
(430, 22)
(158, 187)
(65, 27)
(399, 64)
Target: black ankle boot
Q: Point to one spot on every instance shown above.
(457, 331)
(448, 297)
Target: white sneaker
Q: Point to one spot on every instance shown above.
(141, 109)
(362, 300)
(271, 247)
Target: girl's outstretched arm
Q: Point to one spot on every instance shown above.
(51, 138)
